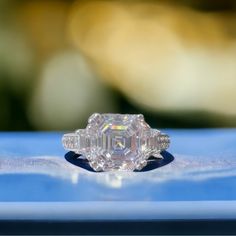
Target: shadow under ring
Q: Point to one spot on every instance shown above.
(152, 162)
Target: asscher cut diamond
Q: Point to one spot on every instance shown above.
(116, 142)
(119, 141)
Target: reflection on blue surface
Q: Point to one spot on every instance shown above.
(33, 168)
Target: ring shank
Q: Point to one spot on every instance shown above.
(70, 142)
(163, 141)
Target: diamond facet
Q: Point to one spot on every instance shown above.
(119, 140)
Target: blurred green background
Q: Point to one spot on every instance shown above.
(173, 61)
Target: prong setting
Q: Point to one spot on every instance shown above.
(141, 165)
(94, 118)
(140, 117)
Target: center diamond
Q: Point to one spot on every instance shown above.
(118, 141)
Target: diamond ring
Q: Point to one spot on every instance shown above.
(116, 142)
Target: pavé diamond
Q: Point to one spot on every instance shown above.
(117, 142)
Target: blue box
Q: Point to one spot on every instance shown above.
(42, 193)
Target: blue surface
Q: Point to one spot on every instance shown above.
(37, 182)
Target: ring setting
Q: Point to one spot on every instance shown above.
(117, 142)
